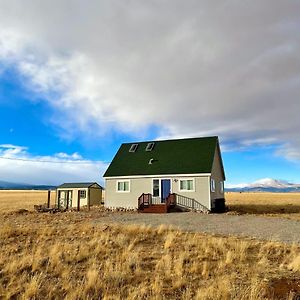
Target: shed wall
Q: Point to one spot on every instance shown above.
(83, 201)
(95, 196)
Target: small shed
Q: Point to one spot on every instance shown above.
(77, 194)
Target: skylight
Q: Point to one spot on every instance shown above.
(150, 147)
(133, 147)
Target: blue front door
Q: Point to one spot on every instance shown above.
(165, 189)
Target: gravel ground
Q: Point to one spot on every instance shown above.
(264, 228)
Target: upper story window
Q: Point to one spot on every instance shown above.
(150, 147)
(133, 147)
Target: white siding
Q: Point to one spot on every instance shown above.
(139, 186)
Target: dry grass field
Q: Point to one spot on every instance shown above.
(71, 256)
(271, 204)
(11, 200)
(67, 256)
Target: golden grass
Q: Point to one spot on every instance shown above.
(70, 256)
(273, 204)
(11, 200)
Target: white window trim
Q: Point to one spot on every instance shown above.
(149, 147)
(221, 186)
(212, 185)
(117, 184)
(133, 148)
(160, 179)
(184, 190)
(85, 193)
(159, 187)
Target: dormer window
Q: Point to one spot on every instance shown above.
(133, 147)
(150, 147)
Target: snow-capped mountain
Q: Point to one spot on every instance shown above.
(265, 185)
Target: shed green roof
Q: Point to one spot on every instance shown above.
(75, 185)
(180, 156)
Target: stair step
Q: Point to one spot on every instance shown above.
(155, 208)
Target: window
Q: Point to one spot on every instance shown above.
(221, 186)
(133, 147)
(155, 187)
(186, 185)
(82, 194)
(212, 185)
(150, 147)
(123, 186)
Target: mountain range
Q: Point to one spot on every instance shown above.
(265, 185)
(5, 185)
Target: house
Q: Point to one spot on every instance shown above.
(78, 194)
(187, 172)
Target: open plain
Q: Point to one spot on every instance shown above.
(286, 205)
(11, 200)
(99, 254)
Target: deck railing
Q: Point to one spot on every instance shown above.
(146, 200)
(187, 202)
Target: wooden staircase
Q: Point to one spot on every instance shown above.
(147, 205)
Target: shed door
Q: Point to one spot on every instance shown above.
(165, 189)
(65, 198)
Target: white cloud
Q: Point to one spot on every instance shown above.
(10, 151)
(74, 156)
(18, 165)
(190, 68)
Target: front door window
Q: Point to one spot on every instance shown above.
(155, 187)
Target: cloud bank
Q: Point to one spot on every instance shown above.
(191, 68)
(19, 166)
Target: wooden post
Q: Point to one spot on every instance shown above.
(58, 199)
(48, 202)
(68, 197)
(78, 200)
(88, 199)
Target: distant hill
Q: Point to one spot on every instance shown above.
(4, 185)
(265, 185)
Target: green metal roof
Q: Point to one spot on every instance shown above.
(180, 156)
(78, 185)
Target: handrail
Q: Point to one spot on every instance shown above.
(190, 203)
(144, 199)
(173, 199)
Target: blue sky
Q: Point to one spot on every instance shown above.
(70, 97)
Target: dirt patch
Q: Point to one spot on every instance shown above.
(284, 288)
(20, 211)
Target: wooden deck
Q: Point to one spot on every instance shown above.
(146, 204)
(155, 209)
